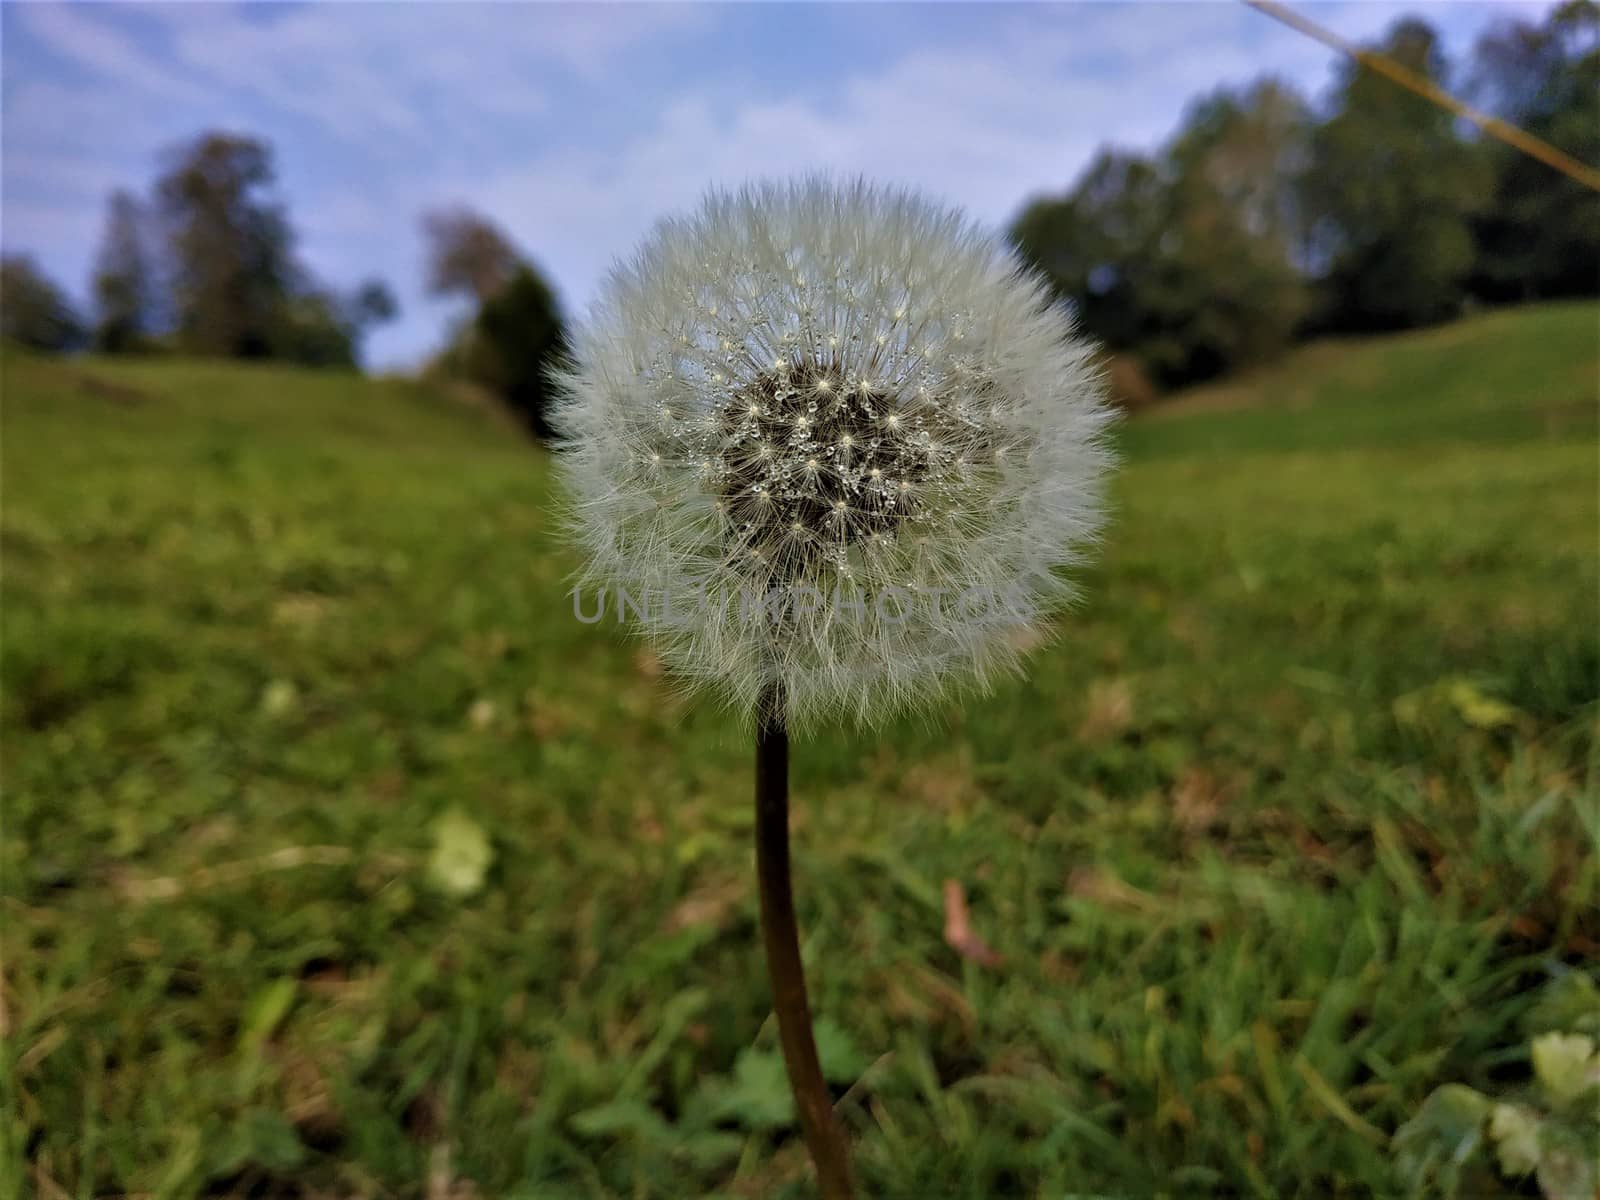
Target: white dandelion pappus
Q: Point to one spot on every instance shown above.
(833, 439)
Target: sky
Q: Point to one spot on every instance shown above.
(577, 126)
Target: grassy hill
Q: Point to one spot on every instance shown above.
(1505, 376)
(339, 859)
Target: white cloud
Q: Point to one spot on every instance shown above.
(45, 119)
(362, 71)
(84, 36)
(409, 71)
(982, 126)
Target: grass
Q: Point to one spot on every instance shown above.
(340, 860)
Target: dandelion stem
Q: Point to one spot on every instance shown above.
(823, 1134)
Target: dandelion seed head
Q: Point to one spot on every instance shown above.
(811, 383)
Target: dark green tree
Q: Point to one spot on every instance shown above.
(34, 312)
(1540, 234)
(1392, 190)
(372, 304)
(123, 287)
(1098, 245)
(1186, 259)
(516, 339)
(309, 328)
(1228, 291)
(228, 243)
(318, 328)
(517, 333)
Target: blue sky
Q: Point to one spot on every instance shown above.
(576, 126)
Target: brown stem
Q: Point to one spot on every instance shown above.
(823, 1135)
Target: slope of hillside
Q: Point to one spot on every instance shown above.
(1509, 375)
(339, 859)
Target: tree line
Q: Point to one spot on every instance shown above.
(206, 266)
(203, 265)
(1263, 220)
(1260, 221)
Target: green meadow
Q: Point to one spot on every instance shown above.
(339, 860)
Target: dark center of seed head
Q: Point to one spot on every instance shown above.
(835, 463)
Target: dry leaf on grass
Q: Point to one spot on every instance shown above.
(1104, 888)
(709, 903)
(958, 928)
(1110, 711)
(1197, 800)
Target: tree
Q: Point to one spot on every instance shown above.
(1098, 244)
(318, 328)
(123, 290)
(517, 337)
(1540, 235)
(517, 334)
(1393, 190)
(34, 311)
(1229, 291)
(1186, 259)
(373, 304)
(229, 245)
(310, 328)
(467, 254)
(237, 287)
(1250, 149)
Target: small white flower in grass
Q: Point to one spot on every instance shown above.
(866, 391)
